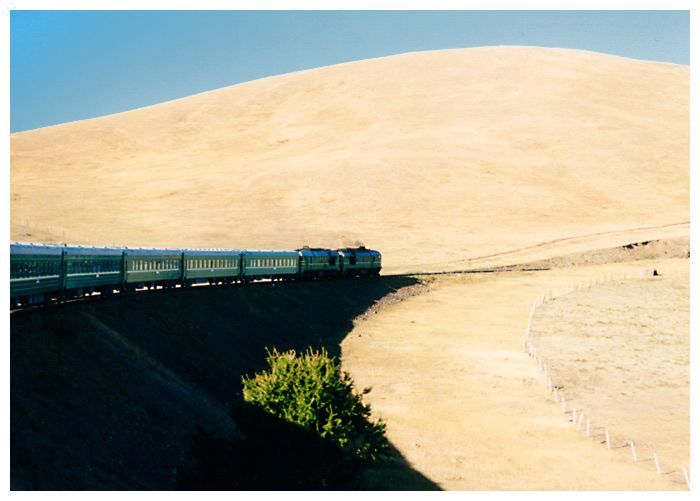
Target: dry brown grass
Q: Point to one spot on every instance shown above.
(433, 158)
(470, 410)
(620, 352)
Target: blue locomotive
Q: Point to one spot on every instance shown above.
(44, 272)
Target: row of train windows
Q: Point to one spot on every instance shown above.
(259, 263)
(154, 264)
(28, 269)
(93, 266)
(211, 263)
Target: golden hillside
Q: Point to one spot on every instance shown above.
(433, 158)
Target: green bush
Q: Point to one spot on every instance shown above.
(309, 390)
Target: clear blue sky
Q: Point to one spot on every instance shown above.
(75, 65)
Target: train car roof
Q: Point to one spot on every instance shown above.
(210, 252)
(143, 251)
(92, 250)
(306, 252)
(360, 251)
(269, 252)
(25, 248)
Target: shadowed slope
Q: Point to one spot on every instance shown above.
(429, 157)
(143, 391)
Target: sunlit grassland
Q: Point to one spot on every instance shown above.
(467, 406)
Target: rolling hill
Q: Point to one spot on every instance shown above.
(438, 159)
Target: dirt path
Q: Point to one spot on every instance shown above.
(463, 402)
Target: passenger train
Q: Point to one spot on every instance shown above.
(41, 273)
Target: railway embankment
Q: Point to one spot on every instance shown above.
(143, 391)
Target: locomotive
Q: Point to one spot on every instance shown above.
(40, 273)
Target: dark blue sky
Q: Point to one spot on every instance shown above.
(75, 65)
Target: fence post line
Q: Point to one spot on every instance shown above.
(687, 480)
(634, 455)
(656, 460)
(578, 427)
(555, 394)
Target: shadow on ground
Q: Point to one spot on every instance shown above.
(142, 392)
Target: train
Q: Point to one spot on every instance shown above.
(42, 273)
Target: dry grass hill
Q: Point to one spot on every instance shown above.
(437, 159)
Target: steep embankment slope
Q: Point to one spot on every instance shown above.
(430, 157)
(127, 393)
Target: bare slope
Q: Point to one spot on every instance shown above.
(430, 157)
